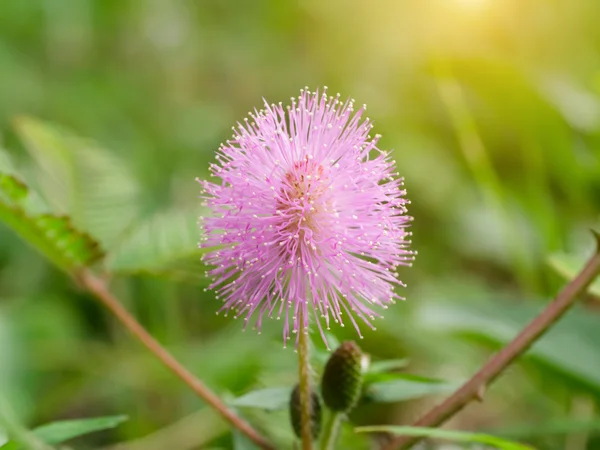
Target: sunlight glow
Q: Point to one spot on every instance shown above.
(473, 4)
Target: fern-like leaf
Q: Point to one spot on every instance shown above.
(54, 236)
(80, 179)
(164, 245)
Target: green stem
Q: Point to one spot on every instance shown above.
(304, 376)
(331, 431)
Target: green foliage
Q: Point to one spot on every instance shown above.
(241, 442)
(387, 365)
(492, 109)
(397, 387)
(101, 196)
(163, 245)
(270, 399)
(59, 432)
(52, 235)
(457, 436)
(555, 427)
(83, 180)
(569, 266)
(499, 322)
(378, 388)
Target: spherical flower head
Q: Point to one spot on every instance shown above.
(308, 219)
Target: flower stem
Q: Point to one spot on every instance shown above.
(332, 429)
(99, 289)
(475, 387)
(305, 393)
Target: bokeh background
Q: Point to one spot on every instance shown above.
(492, 109)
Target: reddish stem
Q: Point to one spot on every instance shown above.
(475, 387)
(98, 287)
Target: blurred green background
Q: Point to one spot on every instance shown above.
(492, 109)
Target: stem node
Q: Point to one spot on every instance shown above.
(477, 384)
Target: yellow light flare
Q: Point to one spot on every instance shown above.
(472, 4)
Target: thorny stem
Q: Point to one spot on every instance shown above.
(331, 430)
(100, 290)
(305, 392)
(475, 387)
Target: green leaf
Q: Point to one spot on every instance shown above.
(57, 432)
(436, 433)
(566, 425)
(82, 180)
(164, 245)
(396, 387)
(569, 266)
(101, 196)
(500, 321)
(319, 352)
(270, 399)
(12, 426)
(241, 442)
(13, 445)
(54, 236)
(11, 187)
(387, 365)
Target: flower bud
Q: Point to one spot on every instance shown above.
(296, 412)
(342, 377)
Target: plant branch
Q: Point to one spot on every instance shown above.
(100, 290)
(305, 391)
(476, 385)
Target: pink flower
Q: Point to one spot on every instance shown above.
(309, 217)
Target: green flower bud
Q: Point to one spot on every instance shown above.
(296, 412)
(342, 378)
